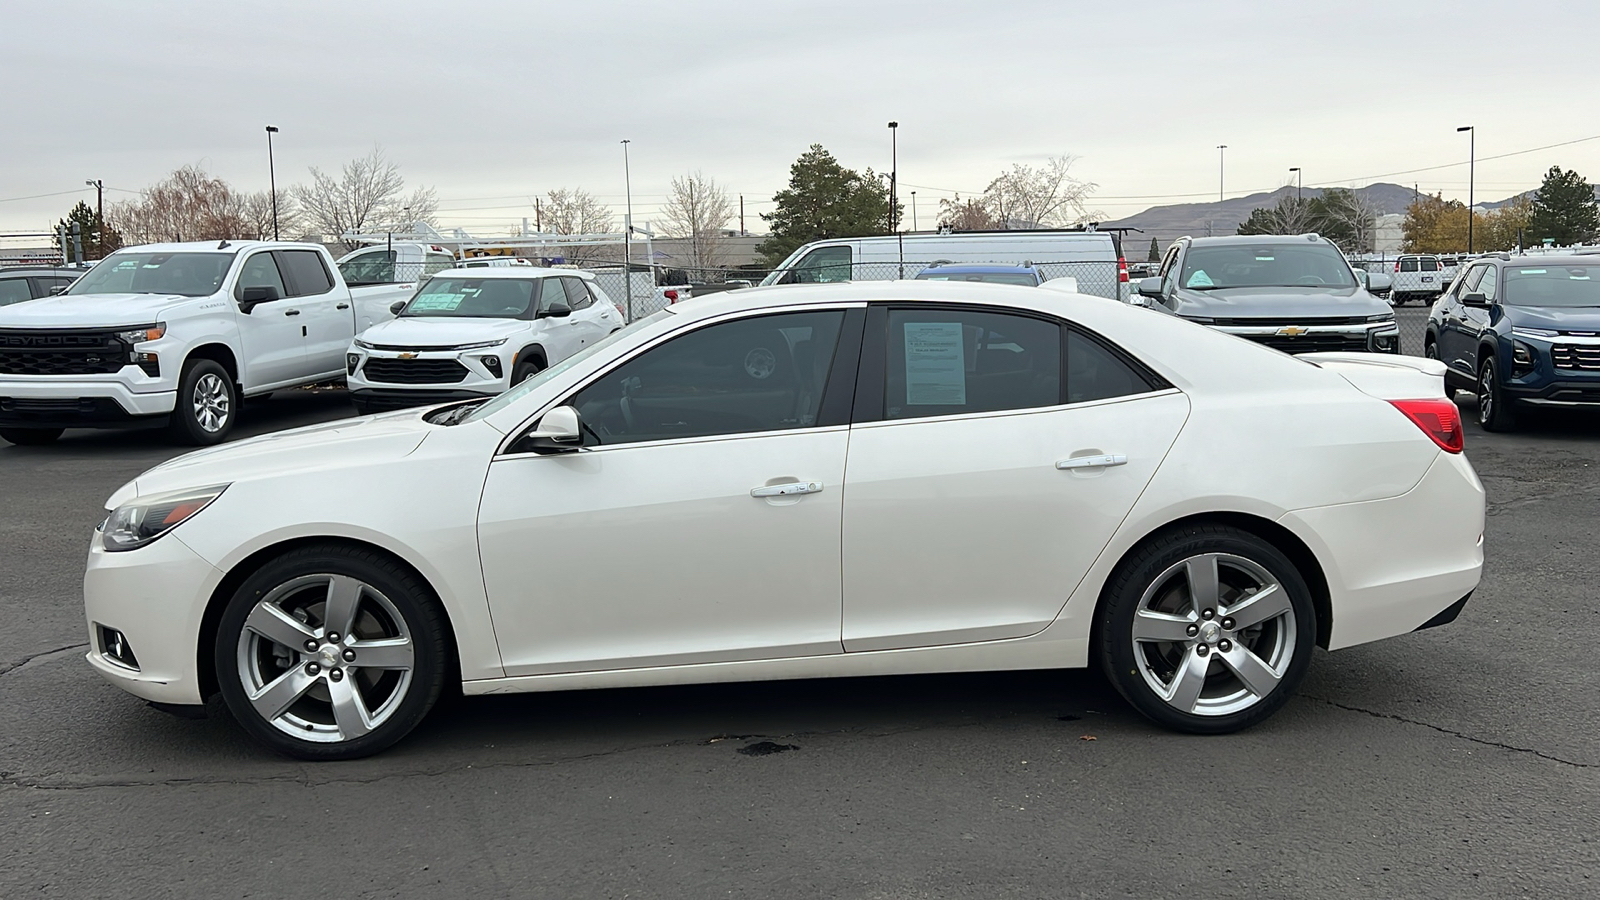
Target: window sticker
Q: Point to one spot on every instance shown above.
(1200, 279)
(935, 364)
(438, 300)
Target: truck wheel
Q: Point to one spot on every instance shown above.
(30, 437)
(206, 404)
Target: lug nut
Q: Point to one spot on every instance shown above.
(1225, 646)
(312, 668)
(333, 637)
(336, 674)
(1208, 614)
(1227, 623)
(1192, 630)
(349, 656)
(311, 646)
(1202, 649)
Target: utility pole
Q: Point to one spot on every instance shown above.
(272, 176)
(894, 164)
(741, 215)
(1472, 157)
(627, 230)
(1222, 158)
(537, 224)
(913, 210)
(99, 216)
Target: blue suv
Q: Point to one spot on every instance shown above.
(1520, 331)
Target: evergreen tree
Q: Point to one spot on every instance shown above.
(1564, 209)
(1155, 251)
(97, 238)
(824, 200)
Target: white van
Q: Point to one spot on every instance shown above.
(1094, 258)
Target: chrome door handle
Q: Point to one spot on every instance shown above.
(785, 490)
(342, 306)
(1093, 462)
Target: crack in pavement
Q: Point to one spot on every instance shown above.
(8, 668)
(1466, 737)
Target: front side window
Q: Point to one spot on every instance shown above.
(763, 373)
(481, 298)
(187, 274)
(1489, 285)
(261, 271)
(1266, 265)
(373, 267)
(949, 362)
(821, 266)
(306, 273)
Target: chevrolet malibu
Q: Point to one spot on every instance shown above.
(800, 482)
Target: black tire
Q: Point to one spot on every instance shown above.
(30, 437)
(1156, 578)
(393, 602)
(362, 407)
(526, 369)
(1494, 408)
(207, 404)
(1430, 349)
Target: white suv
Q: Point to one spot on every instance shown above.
(476, 332)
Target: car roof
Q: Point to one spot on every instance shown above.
(40, 270)
(1573, 259)
(1258, 239)
(980, 269)
(216, 246)
(512, 272)
(777, 297)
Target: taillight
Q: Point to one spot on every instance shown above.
(1122, 270)
(672, 296)
(1439, 419)
(1397, 265)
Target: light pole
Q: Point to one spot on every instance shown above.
(1472, 162)
(627, 230)
(1222, 158)
(99, 214)
(894, 164)
(913, 210)
(1297, 183)
(272, 178)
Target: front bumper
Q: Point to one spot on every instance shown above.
(65, 402)
(155, 596)
(479, 377)
(1371, 337)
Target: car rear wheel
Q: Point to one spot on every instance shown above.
(207, 404)
(1494, 409)
(1206, 629)
(30, 437)
(330, 652)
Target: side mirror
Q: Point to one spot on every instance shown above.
(558, 431)
(1476, 301)
(1379, 281)
(1150, 287)
(58, 288)
(251, 297)
(396, 306)
(558, 309)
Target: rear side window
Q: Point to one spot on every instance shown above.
(376, 267)
(949, 362)
(1429, 264)
(14, 290)
(1095, 372)
(577, 295)
(305, 272)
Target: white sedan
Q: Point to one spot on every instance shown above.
(807, 481)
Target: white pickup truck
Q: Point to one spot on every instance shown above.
(177, 335)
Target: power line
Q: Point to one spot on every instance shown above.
(39, 196)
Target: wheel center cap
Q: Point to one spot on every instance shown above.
(1210, 632)
(328, 656)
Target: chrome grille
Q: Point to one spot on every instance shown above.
(1576, 356)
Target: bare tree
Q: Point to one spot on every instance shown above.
(575, 211)
(187, 205)
(1355, 217)
(1028, 197)
(697, 208)
(966, 215)
(369, 195)
(256, 211)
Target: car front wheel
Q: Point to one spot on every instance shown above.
(330, 652)
(1206, 629)
(1494, 410)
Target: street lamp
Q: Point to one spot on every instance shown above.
(627, 229)
(272, 177)
(99, 213)
(894, 164)
(1296, 171)
(1222, 156)
(1472, 159)
(913, 210)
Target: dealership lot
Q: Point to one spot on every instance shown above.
(1457, 761)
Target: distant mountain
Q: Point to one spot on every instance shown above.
(1165, 223)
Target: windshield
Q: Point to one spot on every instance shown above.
(532, 384)
(1552, 286)
(189, 274)
(1022, 278)
(1269, 265)
(481, 298)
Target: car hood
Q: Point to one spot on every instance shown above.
(440, 331)
(361, 441)
(1280, 302)
(1565, 318)
(91, 310)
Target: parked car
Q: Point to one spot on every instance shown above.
(1028, 276)
(475, 332)
(1093, 257)
(1521, 332)
(1417, 278)
(1296, 294)
(176, 335)
(1036, 479)
(395, 263)
(19, 283)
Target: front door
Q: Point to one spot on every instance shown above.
(989, 484)
(701, 521)
(272, 332)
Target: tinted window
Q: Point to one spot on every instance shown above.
(46, 285)
(1408, 265)
(823, 264)
(484, 298)
(946, 362)
(1429, 264)
(577, 295)
(261, 270)
(749, 375)
(1094, 372)
(14, 290)
(1265, 265)
(306, 273)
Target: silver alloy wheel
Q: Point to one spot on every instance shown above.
(1486, 394)
(1214, 634)
(760, 363)
(325, 658)
(210, 402)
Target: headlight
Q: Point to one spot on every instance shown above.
(1381, 317)
(478, 346)
(1199, 320)
(1535, 332)
(364, 345)
(143, 334)
(143, 519)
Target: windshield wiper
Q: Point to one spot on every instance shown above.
(455, 415)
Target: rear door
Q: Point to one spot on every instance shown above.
(992, 455)
(327, 321)
(591, 320)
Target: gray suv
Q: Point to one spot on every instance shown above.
(1294, 293)
(19, 283)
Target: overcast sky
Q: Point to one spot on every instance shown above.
(502, 101)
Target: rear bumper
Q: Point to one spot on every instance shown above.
(68, 403)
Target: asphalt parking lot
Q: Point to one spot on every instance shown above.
(1460, 761)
